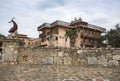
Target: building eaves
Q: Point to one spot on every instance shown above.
(101, 29)
(55, 23)
(62, 23)
(44, 25)
(67, 25)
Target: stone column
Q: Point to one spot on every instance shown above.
(10, 51)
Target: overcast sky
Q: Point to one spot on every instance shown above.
(29, 14)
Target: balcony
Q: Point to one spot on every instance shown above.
(87, 36)
(88, 44)
(96, 28)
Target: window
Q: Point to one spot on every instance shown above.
(56, 38)
(42, 40)
(28, 43)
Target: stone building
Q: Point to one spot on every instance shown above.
(29, 42)
(53, 35)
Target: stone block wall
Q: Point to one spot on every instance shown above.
(44, 56)
(14, 53)
(59, 64)
(10, 51)
(100, 57)
(65, 56)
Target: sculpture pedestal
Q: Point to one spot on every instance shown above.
(10, 51)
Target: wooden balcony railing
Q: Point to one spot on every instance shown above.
(88, 44)
(89, 36)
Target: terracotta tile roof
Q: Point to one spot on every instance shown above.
(22, 36)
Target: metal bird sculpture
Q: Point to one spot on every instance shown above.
(15, 26)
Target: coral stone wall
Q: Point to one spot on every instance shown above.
(64, 56)
(59, 64)
(12, 52)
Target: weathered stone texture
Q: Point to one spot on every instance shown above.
(12, 52)
(102, 60)
(116, 57)
(48, 60)
(92, 60)
(59, 64)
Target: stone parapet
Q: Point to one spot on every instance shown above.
(14, 53)
(71, 56)
(10, 51)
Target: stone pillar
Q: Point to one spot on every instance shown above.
(10, 51)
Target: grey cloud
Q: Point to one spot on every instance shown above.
(50, 4)
(30, 14)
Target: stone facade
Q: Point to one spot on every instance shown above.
(53, 34)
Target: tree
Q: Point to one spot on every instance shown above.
(113, 36)
(101, 41)
(72, 35)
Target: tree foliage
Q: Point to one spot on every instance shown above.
(100, 41)
(113, 36)
(20, 42)
(72, 35)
